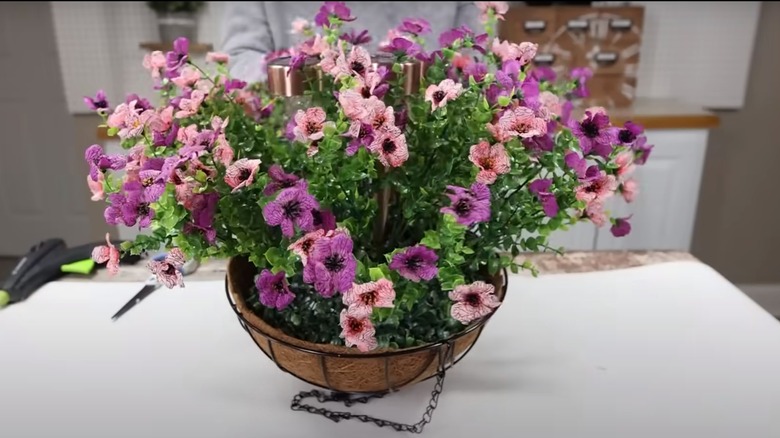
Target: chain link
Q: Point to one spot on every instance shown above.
(348, 400)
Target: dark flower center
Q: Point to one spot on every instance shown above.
(473, 299)
(278, 287)
(306, 245)
(379, 120)
(590, 128)
(312, 127)
(244, 174)
(148, 182)
(355, 325)
(413, 262)
(143, 209)
(463, 207)
(100, 104)
(626, 136)
(593, 187)
(170, 270)
(363, 132)
(388, 146)
(369, 298)
(334, 262)
(357, 67)
(438, 96)
(487, 163)
(287, 182)
(317, 216)
(365, 92)
(292, 209)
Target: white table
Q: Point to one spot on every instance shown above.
(671, 350)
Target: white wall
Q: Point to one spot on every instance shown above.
(699, 53)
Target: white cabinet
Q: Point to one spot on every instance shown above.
(665, 210)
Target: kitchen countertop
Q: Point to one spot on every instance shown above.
(547, 263)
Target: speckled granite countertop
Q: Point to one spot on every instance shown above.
(547, 263)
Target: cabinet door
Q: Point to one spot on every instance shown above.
(664, 211)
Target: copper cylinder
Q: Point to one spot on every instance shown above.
(412, 72)
(287, 82)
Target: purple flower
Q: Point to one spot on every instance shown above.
(402, 46)
(581, 76)
(113, 213)
(621, 227)
(642, 150)
(362, 136)
(177, 57)
(429, 57)
(448, 38)
(100, 162)
(530, 93)
(356, 39)
(324, 220)
(576, 163)
(274, 291)
(541, 188)
(332, 9)
(477, 70)
(98, 103)
(629, 133)
(292, 207)
(469, 206)
(401, 118)
(539, 144)
(566, 110)
(234, 84)
(289, 129)
(281, 180)
(478, 42)
(544, 74)
(416, 263)
(415, 26)
(494, 92)
(297, 62)
(162, 139)
(204, 207)
(141, 104)
(594, 134)
(331, 266)
(136, 210)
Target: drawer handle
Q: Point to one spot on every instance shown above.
(606, 58)
(577, 24)
(544, 59)
(620, 24)
(532, 26)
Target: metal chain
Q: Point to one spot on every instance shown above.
(349, 400)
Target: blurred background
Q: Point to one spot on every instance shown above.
(701, 78)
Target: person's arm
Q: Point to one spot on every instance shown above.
(247, 39)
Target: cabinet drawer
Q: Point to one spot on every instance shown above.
(528, 23)
(610, 91)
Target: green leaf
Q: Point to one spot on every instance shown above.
(111, 132)
(503, 100)
(467, 250)
(450, 277)
(274, 256)
(431, 240)
(376, 273)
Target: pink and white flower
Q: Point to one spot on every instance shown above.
(362, 298)
(107, 254)
(241, 173)
(162, 121)
(217, 57)
(328, 61)
(155, 63)
(357, 330)
(498, 8)
(304, 246)
(96, 187)
(629, 189)
(189, 107)
(551, 105)
(473, 301)
(188, 77)
(314, 46)
(390, 147)
(188, 134)
(519, 122)
(300, 26)
(381, 117)
(600, 188)
(523, 52)
(595, 212)
(222, 152)
(491, 161)
(625, 163)
(310, 125)
(439, 95)
(168, 271)
(357, 63)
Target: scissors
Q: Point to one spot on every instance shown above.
(152, 284)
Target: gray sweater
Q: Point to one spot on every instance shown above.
(252, 29)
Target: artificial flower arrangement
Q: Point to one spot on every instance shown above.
(378, 212)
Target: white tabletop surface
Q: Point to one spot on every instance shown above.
(670, 350)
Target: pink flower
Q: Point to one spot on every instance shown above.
(473, 301)
(625, 163)
(315, 46)
(357, 330)
(310, 125)
(155, 63)
(188, 77)
(189, 107)
(362, 298)
(241, 173)
(518, 122)
(498, 8)
(390, 147)
(328, 61)
(491, 160)
(204, 85)
(222, 152)
(391, 35)
(96, 187)
(593, 110)
(439, 95)
(461, 61)
(162, 121)
(358, 62)
(595, 212)
(188, 135)
(550, 103)
(598, 188)
(355, 107)
(218, 57)
(168, 271)
(523, 53)
(107, 254)
(128, 120)
(304, 246)
(381, 117)
(629, 190)
(300, 26)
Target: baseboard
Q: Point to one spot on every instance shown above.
(766, 295)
